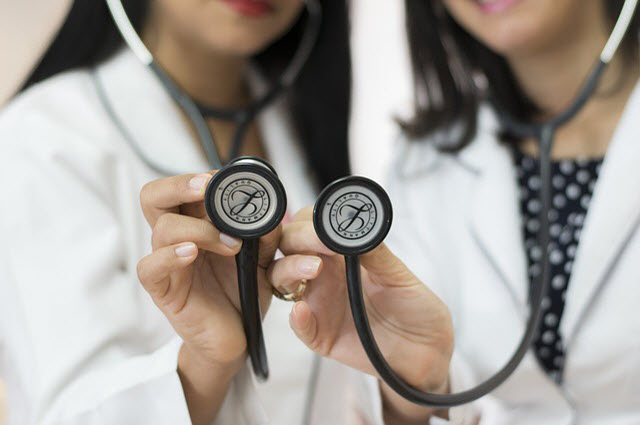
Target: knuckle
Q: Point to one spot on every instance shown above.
(316, 345)
(208, 231)
(161, 229)
(141, 270)
(145, 194)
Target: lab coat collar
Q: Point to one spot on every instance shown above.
(494, 216)
(612, 219)
(421, 156)
(163, 133)
(147, 113)
(613, 214)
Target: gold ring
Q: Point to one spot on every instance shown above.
(291, 296)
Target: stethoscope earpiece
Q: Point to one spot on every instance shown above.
(352, 215)
(246, 200)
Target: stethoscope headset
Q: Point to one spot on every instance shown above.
(352, 215)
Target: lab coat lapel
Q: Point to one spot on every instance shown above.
(494, 215)
(613, 215)
(147, 116)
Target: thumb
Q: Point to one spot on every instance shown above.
(386, 269)
(304, 325)
(268, 246)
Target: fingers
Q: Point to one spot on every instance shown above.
(305, 214)
(175, 228)
(154, 269)
(268, 246)
(386, 269)
(304, 325)
(287, 272)
(167, 195)
(299, 237)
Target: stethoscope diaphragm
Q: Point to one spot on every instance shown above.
(246, 199)
(352, 215)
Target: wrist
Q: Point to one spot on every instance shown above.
(190, 359)
(399, 411)
(205, 383)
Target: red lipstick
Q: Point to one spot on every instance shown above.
(251, 8)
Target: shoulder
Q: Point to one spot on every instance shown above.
(416, 158)
(62, 112)
(57, 131)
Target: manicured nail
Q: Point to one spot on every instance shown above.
(198, 182)
(308, 266)
(230, 241)
(186, 250)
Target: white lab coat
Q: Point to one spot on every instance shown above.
(457, 225)
(80, 340)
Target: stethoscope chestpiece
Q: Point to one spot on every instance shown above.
(352, 215)
(245, 199)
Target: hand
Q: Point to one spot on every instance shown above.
(191, 276)
(411, 325)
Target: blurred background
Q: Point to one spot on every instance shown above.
(381, 83)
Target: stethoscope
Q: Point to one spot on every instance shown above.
(245, 219)
(354, 214)
(196, 112)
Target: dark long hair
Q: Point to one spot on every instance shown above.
(447, 62)
(319, 101)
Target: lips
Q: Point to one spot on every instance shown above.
(495, 6)
(251, 8)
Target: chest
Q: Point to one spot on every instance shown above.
(469, 246)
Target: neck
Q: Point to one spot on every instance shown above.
(553, 76)
(211, 78)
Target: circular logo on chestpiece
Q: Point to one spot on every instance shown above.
(352, 215)
(245, 200)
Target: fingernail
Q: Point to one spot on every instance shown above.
(198, 182)
(308, 266)
(230, 241)
(186, 250)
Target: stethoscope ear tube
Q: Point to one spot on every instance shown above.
(196, 112)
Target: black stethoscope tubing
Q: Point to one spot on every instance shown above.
(544, 133)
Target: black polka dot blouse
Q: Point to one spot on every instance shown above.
(572, 184)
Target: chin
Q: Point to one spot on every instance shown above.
(242, 44)
(514, 27)
(514, 38)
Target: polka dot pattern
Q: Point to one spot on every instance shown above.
(572, 185)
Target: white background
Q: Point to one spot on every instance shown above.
(382, 83)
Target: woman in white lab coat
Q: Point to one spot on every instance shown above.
(465, 213)
(81, 342)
